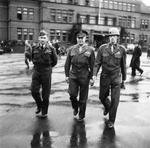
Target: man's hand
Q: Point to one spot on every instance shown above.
(91, 82)
(122, 85)
(67, 79)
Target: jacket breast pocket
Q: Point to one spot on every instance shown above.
(36, 55)
(117, 59)
(106, 58)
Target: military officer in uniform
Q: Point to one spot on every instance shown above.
(112, 58)
(44, 59)
(79, 71)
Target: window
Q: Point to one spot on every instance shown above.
(31, 13)
(52, 34)
(58, 1)
(83, 19)
(133, 8)
(92, 20)
(58, 16)
(25, 13)
(81, 2)
(133, 22)
(19, 33)
(64, 36)
(102, 21)
(65, 1)
(110, 5)
(31, 33)
(129, 7)
(110, 21)
(58, 33)
(124, 6)
(25, 33)
(143, 37)
(92, 3)
(70, 16)
(144, 24)
(64, 16)
(132, 37)
(19, 13)
(115, 5)
(87, 2)
(52, 15)
(70, 1)
(105, 4)
(120, 6)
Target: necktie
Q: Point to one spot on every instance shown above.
(112, 48)
(80, 49)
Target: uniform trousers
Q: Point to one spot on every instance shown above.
(79, 86)
(108, 81)
(41, 79)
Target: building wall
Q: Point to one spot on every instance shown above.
(9, 23)
(3, 20)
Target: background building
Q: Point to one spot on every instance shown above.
(22, 19)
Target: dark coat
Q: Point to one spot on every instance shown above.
(135, 61)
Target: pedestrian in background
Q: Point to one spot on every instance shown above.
(44, 58)
(112, 58)
(79, 71)
(135, 60)
(27, 53)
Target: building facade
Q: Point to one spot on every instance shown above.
(22, 19)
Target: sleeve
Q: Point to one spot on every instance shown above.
(92, 60)
(98, 62)
(54, 57)
(67, 63)
(123, 65)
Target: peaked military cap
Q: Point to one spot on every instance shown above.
(81, 33)
(43, 33)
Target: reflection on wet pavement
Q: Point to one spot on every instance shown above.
(108, 138)
(42, 134)
(78, 135)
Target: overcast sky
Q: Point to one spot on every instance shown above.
(147, 2)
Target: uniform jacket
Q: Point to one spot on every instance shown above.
(135, 61)
(43, 58)
(111, 62)
(80, 64)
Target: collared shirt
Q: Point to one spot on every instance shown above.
(111, 62)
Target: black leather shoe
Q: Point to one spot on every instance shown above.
(75, 112)
(141, 72)
(110, 124)
(106, 111)
(81, 119)
(38, 110)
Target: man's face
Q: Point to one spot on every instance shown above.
(81, 40)
(43, 39)
(113, 39)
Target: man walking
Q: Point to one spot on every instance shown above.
(135, 61)
(112, 58)
(79, 71)
(44, 58)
